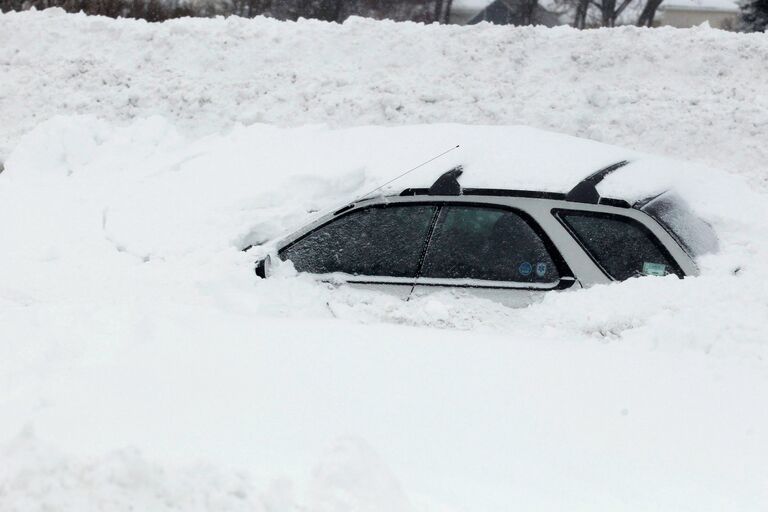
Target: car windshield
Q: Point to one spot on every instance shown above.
(693, 234)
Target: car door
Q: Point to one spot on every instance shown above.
(378, 246)
(491, 251)
(622, 247)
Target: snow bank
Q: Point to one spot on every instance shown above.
(132, 321)
(117, 198)
(38, 476)
(695, 94)
(144, 366)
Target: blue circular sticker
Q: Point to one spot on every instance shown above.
(525, 268)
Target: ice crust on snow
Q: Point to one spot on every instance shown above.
(147, 367)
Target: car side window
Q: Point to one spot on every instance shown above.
(475, 242)
(694, 235)
(377, 241)
(621, 246)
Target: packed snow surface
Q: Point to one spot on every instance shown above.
(143, 365)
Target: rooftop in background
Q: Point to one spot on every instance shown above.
(729, 6)
(462, 11)
(469, 5)
(478, 5)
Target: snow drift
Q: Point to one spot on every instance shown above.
(144, 366)
(132, 318)
(696, 94)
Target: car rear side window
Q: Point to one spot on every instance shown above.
(377, 241)
(474, 242)
(695, 236)
(621, 246)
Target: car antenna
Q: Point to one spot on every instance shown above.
(405, 173)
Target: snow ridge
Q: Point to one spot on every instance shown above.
(628, 86)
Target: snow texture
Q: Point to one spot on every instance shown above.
(143, 366)
(695, 94)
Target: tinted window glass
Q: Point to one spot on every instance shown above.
(694, 235)
(622, 246)
(487, 243)
(379, 241)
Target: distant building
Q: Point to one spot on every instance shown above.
(690, 13)
(500, 12)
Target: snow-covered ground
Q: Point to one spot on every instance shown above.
(143, 366)
(695, 94)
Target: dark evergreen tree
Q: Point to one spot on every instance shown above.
(754, 16)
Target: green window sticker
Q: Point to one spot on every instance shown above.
(654, 269)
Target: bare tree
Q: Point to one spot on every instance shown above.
(610, 10)
(447, 11)
(580, 18)
(438, 14)
(648, 13)
(328, 10)
(526, 12)
(602, 13)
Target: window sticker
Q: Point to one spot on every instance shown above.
(654, 269)
(541, 269)
(525, 268)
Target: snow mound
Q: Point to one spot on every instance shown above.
(38, 476)
(157, 372)
(106, 214)
(113, 211)
(695, 94)
(138, 342)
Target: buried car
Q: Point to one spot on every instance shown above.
(507, 245)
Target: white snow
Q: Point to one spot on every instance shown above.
(143, 366)
(697, 95)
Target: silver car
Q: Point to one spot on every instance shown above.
(507, 245)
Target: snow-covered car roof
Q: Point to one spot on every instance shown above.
(533, 159)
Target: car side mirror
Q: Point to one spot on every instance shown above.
(262, 267)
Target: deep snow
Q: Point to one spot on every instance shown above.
(133, 320)
(695, 94)
(144, 366)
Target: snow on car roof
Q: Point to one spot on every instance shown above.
(523, 158)
(209, 191)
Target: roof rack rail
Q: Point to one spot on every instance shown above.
(586, 190)
(495, 192)
(640, 203)
(447, 184)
